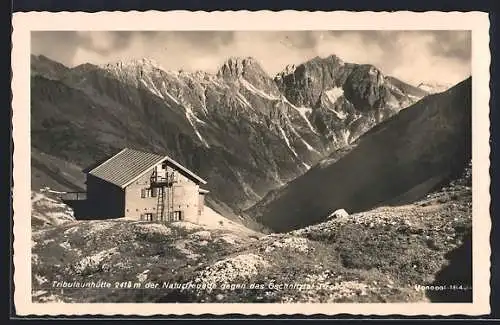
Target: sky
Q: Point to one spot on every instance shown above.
(442, 57)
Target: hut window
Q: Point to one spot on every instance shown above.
(176, 215)
(147, 192)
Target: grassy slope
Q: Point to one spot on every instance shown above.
(374, 256)
(50, 171)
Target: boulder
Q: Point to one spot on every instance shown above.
(338, 214)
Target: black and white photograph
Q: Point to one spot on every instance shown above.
(327, 166)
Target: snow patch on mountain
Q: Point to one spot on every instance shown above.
(256, 91)
(393, 102)
(433, 88)
(168, 94)
(334, 94)
(414, 98)
(190, 117)
(345, 135)
(287, 141)
(308, 146)
(302, 112)
(242, 99)
(152, 88)
(340, 115)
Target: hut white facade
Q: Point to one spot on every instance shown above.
(146, 186)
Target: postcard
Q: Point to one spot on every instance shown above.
(252, 163)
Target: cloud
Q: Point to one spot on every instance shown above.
(104, 43)
(414, 56)
(58, 45)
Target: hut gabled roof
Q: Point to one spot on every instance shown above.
(129, 164)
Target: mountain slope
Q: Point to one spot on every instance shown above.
(42, 65)
(53, 172)
(397, 161)
(388, 254)
(409, 90)
(433, 88)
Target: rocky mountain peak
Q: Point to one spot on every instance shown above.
(372, 73)
(133, 65)
(288, 70)
(44, 66)
(40, 57)
(332, 58)
(235, 67)
(85, 67)
(331, 62)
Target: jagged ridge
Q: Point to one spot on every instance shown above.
(239, 128)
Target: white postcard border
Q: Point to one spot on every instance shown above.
(24, 23)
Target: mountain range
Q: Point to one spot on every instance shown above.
(282, 155)
(397, 162)
(244, 131)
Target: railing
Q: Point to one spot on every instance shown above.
(73, 196)
(162, 180)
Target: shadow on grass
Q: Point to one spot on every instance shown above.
(456, 277)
